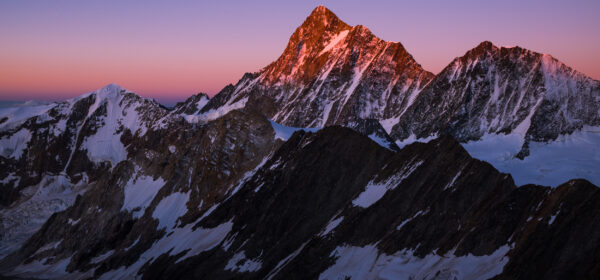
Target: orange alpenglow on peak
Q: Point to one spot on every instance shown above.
(330, 67)
(325, 40)
(306, 42)
(321, 11)
(319, 22)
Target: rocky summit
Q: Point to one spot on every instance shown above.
(343, 159)
(330, 73)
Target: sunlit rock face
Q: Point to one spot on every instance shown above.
(330, 73)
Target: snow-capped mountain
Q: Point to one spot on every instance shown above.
(493, 90)
(50, 153)
(525, 112)
(329, 73)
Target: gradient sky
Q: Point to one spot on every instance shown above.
(170, 50)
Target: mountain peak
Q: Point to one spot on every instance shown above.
(112, 87)
(320, 9)
(110, 91)
(307, 41)
(321, 13)
(486, 45)
(482, 48)
(322, 19)
(335, 68)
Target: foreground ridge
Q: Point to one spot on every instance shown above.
(314, 207)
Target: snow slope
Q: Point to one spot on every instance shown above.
(367, 263)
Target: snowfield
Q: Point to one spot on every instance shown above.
(549, 164)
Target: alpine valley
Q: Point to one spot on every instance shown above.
(343, 158)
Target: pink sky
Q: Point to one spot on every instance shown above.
(170, 50)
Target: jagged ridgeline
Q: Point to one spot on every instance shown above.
(537, 113)
(307, 170)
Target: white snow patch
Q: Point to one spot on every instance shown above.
(181, 239)
(47, 247)
(139, 192)
(451, 184)
(201, 103)
(228, 242)
(522, 128)
(14, 145)
(326, 112)
(381, 141)
(399, 227)
(412, 139)
(550, 164)
(200, 240)
(172, 149)
(331, 226)
(210, 210)
(102, 257)
(247, 176)
(59, 127)
(553, 217)
(334, 41)
(11, 177)
(367, 263)
(105, 147)
(133, 244)
(411, 99)
(170, 208)
(248, 265)
(375, 191)
(388, 124)
(216, 113)
(285, 132)
(372, 193)
(285, 261)
(73, 222)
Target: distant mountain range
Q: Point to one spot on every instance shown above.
(309, 169)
